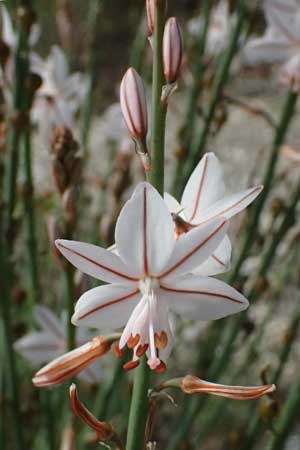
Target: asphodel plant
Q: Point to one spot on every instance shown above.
(163, 261)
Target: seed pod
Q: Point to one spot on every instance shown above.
(172, 50)
(133, 104)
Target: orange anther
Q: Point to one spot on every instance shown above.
(161, 368)
(133, 341)
(117, 351)
(161, 340)
(131, 365)
(141, 350)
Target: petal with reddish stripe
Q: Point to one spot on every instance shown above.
(202, 298)
(95, 261)
(231, 205)
(218, 262)
(107, 306)
(194, 248)
(145, 232)
(204, 188)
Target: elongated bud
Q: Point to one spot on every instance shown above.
(133, 104)
(104, 430)
(172, 50)
(150, 7)
(194, 385)
(73, 362)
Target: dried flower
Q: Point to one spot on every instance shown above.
(204, 199)
(193, 385)
(172, 50)
(104, 430)
(73, 362)
(149, 275)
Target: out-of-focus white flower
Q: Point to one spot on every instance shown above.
(219, 28)
(39, 347)
(203, 200)
(9, 37)
(150, 274)
(60, 96)
(281, 41)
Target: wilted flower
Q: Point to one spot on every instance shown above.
(104, 430)
(204, 199)
(193, 385)
(281, 41)
(40, 347)
(60, 96)
(150, 275)
(219, 28)
(172, 50)
(73, 362)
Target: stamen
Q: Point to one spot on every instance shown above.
(141, 350)
(131, 365)
(154, 363)
(161, 368)
(133, 341)
(161, 340)
(117, 351)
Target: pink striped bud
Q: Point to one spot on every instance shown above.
(73, 362)
(150, 7)
(194, 385)
(172, 50)
(133, 104)
(104, 430)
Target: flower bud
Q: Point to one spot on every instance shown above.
(133, 104)
(150, 7)
(104, 430)
(194, 385)
(69, 202)
(172, 50)
(73, 362)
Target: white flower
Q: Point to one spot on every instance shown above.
(39, 347)
(150, 276)
(218, 31)
(60, 96)
(281, 41)
(204, 199)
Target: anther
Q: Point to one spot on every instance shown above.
(131, 365)
(141, 350)
(161, 340)
(161, 368)
(117, 351)
(133, 341)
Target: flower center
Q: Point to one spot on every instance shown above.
(148, 286)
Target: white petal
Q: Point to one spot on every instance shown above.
(281, 16)
(137, 320)
(203, 298)
(58, 66)
(145, 231)
(172, 204)
(265, 50)
(95, 261)
(8, 33)
(231, 205)
(107, 306)
(48, 321)
(204, 187)
(194, 248)
(219, 262)
(39, 347)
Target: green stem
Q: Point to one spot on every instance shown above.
(139, 402)
(287, 114)
(200, 140)
(70, 296)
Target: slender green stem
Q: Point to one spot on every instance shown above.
(200, 140)
(158, 108)
(139, 402)
(104, 403)
(287, 114)
(70, 297)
